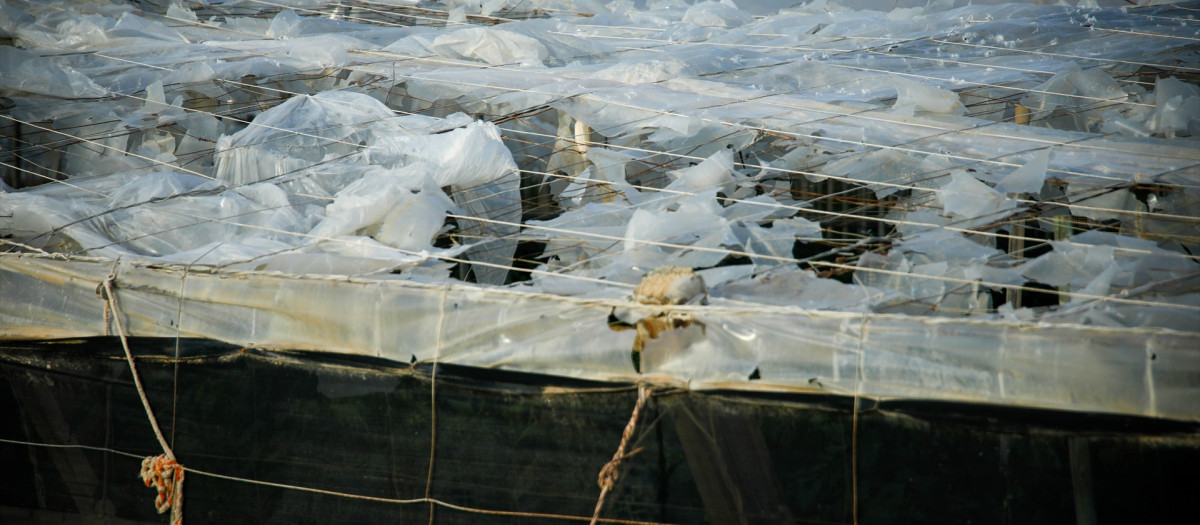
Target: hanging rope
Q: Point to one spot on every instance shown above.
(437, 352)
(163, 472)
(608, 474)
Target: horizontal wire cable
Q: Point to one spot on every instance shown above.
(340, 494)
(832, 177)
(943, 278)
(792, 134)
(680, 246)
(1026, 138)
(731, 252)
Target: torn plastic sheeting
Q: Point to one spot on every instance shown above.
(1093, 263)
(1070, 264)
(95, 158)
(283, 24)
(465, 156)
(948, 246)
(919, 276)
(478, 90)
(713, 173)
(12, 18)
(256, 220)
(286, 23)
(301, 132)
(119, 27)
(823, 81)
(760, 208)
(202, 132)
(633, 110)
(490, 45)
(1124, 158)
(999, 142)
(913, 96)
(603, 181)
(777, 241)
(1100, 284)
(1108, 314)
(306, 52)
(644, 71)
(964, 196)
(688, 215)
(497, 203)
(307, 130)
(565, 43)
(244, 68)
(26, 72)
(1029, 177)
(403, 206)
(1001, 139)
(108, 225)
(1071, 90)
(1103, 203)
(1176, 108)
(131, 29)
(604, 217)
(1143, 261)
(882, 165)
(714, 14)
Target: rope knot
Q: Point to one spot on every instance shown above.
(610, 471)
(166, 476)
(104, 291)
(608, 474)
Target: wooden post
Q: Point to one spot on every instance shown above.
(1016, 248)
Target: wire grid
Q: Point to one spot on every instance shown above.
(857, 217)
(846, 210)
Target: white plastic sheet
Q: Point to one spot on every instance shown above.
(1075, 367)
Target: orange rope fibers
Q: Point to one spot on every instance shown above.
(166, 476)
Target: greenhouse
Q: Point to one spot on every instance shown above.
(648, 261)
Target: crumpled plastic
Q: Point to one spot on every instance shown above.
(967, 198)
(913, 96)
(26, 72)
(490, 45)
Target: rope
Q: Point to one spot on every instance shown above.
(361, 497)
(437, 350)
(608, 475)
(163, 471)
(166, 475)
(858, 373)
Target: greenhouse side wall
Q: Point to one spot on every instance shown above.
(1071, 367)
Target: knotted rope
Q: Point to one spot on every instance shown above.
(166, 475)
(608, 474)
(162, 471)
